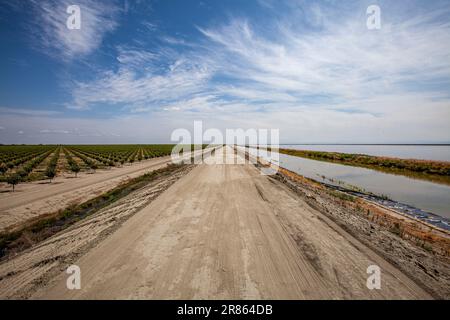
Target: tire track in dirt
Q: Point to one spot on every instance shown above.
(227, 232)
(20, 276)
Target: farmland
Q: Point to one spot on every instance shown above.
(152, 213)
(24, 163)
(167, 225)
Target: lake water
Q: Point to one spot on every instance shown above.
(428, 196)
(429, 152)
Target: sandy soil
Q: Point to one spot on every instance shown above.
(221, 231)
(22, 275)
(403, 246)
(33, 199)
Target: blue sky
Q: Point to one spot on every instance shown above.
(137, 70)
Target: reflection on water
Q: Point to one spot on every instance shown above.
(439, 153)
(425, 195)
(428, 196)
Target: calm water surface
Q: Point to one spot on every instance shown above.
(428, 196)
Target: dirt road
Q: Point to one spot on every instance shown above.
(225, 231)
(33, 199)
(22, 275)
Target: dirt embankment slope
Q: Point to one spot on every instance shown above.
(416, 248)
(22, 275)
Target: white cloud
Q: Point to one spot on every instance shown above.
(51, 35)
(28, 112)
(174, 41)
(47, 131)
(83, 130)
(150, 26)
(344, 61)
(337, 82)
(132, 57)
(132, 89)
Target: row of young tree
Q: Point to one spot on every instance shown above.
(14, 178)
(24, 159)
(13, 156)
(24, 171)
(50, 172)
(90, 163)
(73, 165)
(112, 155)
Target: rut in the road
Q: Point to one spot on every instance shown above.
(227, 232)
(25, 273)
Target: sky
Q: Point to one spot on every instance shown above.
(137, 70)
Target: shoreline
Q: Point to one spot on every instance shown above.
(412, 212)
(267, 228)
(420, 250)
(428, 170)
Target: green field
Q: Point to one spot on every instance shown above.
(21, 163)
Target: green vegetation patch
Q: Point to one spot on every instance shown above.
(341, 195)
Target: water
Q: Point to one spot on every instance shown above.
(427, 196)
(428, 152)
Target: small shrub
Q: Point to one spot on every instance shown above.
(13, 179)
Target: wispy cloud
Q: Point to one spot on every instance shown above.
(150, 26)
(146, 86)
(388, 84)
(48, 131)
(132, 57)
(343, 62)
(28, 112)
(51, 35)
